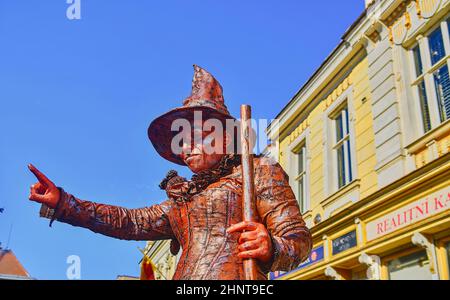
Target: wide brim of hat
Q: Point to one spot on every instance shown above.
(160, 130)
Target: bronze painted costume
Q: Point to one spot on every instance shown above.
(200, 224)
(198, 212)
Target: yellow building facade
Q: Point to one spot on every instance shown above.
(366, 145)
(164, 262)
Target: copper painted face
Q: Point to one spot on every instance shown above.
(204, 149)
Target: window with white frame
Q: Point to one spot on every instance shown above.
(341, 147)
(431, 58)
(300, 178)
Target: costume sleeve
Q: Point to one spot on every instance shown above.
(150, 223)
(280, 213)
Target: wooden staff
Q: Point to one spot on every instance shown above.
(248, 184)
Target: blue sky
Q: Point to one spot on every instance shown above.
(77, 97)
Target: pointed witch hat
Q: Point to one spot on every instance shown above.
(206, 97)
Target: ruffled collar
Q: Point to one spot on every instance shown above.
(181, 190)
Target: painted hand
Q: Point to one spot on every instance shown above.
(44, 191)
(254, 242)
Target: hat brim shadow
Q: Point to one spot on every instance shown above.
(161, 134)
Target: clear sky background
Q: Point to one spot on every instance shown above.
(77, 97)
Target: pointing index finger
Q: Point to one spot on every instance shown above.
(243, 226)
(40, 176)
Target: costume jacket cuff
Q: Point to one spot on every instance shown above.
(53, 213)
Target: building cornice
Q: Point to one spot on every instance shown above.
(351, 43)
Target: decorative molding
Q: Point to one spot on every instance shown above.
(419, 11)
(422, 241)
(432, 150)
(369, 3)
(326, 247)
(359, 231)
(399, 29)
(374, 265)
(431, 146)
(428, 8)
(399, 23)
(397, 13)
(362, 42)
(336, 93)
(373, 33)
(437, 133)
(333, 274)
(299, 130)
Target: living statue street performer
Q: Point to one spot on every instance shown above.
(203, 216)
